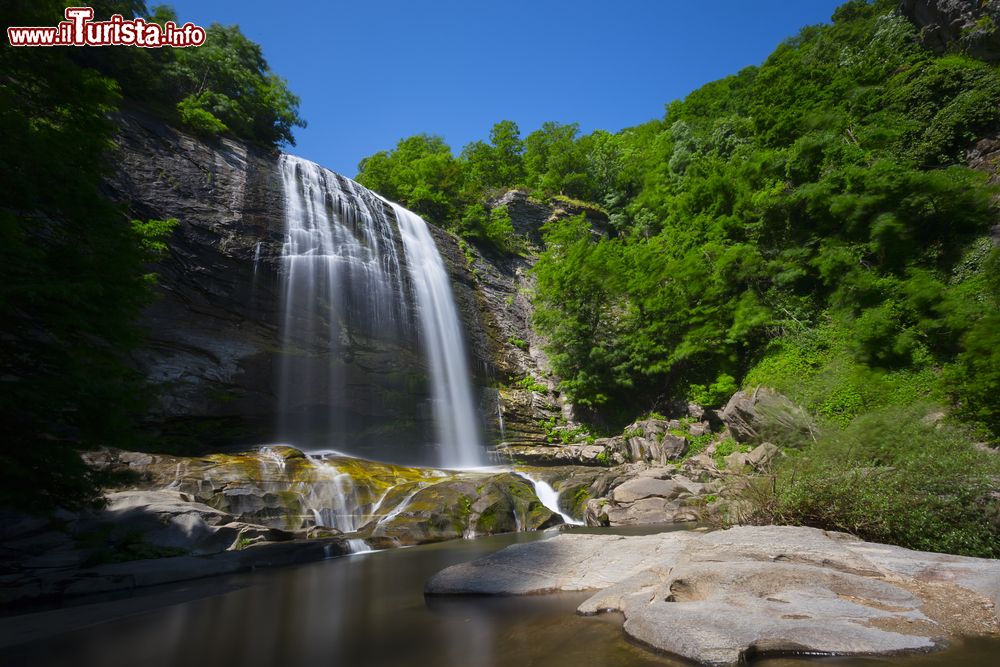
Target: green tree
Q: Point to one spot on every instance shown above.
(72, 275)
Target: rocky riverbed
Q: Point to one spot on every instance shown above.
(721, 598)
(169, 518)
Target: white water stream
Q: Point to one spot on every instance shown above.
(342, 277)
(549, 497)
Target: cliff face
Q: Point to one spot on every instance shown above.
(969, 26)
(505, 284)
(214, 338)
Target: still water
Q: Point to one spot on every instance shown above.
(366, 610)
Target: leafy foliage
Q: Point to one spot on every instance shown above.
(821, 192)
(892, 475)
(224, 86)
(822, 187)
(73, 266)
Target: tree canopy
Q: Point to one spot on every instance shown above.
(73, 266)
(824, 191)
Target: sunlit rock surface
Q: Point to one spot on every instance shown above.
(723, 597)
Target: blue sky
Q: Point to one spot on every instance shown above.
(370, 72)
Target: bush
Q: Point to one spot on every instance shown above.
(193, 114)
(896, 476)
(715, 394)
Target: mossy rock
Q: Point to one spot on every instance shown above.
(469, 506)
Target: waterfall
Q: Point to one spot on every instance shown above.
(454, 411)
(358, 546)
(342, 283)
(549, 497)
(341, 274)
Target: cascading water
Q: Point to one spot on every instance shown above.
(454, 411)
(341, 277)
(549, 497)
(342, 281)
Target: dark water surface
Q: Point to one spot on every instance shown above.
(366, 610)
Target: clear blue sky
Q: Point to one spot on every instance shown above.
(370, 72)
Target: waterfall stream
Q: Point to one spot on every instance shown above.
(343, 282)
(454, 409)
(549, 497)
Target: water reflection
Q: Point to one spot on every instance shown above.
(367, 611)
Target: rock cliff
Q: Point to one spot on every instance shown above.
(214, 337)
(969, 26)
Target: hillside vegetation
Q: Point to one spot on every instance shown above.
(808, 225)
(73, 274)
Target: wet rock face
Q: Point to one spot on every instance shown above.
(721, 598)
(465, 508)
(280, 489)
(968, 26)
(223, 507)
(214, 330)
(212, 324)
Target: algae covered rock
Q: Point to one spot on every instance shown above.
(465, 507)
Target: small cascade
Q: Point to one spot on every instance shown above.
(256, 257)
(398, 509)
(358, 546)
(270, 456)
(333, 499)
(549, 497)
(454, 411)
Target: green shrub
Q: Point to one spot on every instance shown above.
(634, 432)
(715, 394)
(192, 112)
(518, 343)
(893, 476)
(531, 384)
(727, 447)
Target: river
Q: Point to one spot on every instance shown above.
(365, 610)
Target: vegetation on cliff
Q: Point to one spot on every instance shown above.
(811, 216)
(808, 224)
(73, 266)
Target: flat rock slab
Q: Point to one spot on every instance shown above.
(721, 597)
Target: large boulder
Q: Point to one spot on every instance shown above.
(166, 518)
(761, 413)
(722, 598)
(654, 496)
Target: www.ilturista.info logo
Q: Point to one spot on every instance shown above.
(80, 30)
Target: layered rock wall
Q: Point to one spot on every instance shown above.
(214, 335)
